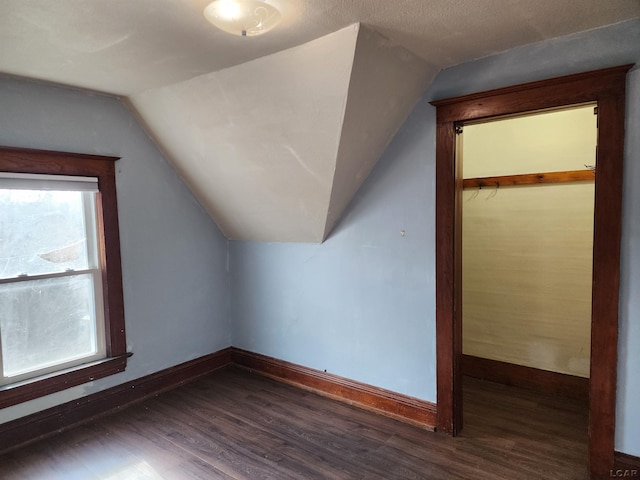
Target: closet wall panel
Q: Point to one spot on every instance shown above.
(527, 249)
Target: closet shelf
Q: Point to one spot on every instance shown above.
(530, 179)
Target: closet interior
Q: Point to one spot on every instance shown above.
(527, 223)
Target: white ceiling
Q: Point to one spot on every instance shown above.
(163, 54)
(276, 148)
(129, 46)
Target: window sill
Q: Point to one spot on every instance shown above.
(33, 388)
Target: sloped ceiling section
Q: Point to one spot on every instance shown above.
(268, 146)
(257, 142)
(386, 82)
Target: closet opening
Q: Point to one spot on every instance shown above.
(527, 252)
(527, 248)
(606, 89)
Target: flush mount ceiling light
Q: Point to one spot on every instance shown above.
(246, 18)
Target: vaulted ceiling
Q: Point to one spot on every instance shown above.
(275, 134)
(275, 148)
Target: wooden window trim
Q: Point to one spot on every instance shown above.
(606, 88)
(21, 160)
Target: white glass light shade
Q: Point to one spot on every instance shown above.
(246, 18)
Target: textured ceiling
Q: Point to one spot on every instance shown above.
(275, 134)
(129, 46)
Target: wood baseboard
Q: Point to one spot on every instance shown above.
(625, 466)
(33, 427)
(543, 381)
(28, 429)
(395, 405)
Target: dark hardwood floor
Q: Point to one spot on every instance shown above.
(236, 425)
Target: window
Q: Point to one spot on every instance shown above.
(61, 312)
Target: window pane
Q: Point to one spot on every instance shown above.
(46, 322)
(42, 232)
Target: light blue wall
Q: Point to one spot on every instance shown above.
(174, 258)
(628, 414)
(361, 305)
(600, 48)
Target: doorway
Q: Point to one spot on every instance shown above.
(604, 88)
(527, 228)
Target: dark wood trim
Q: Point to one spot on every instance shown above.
(606, 280)
(577, 89)
(530, 179)
(27, 160)
(625, 466)
(449, 391)
(109, 237)
(607, 89)
(34, 427)
(396, 405)
(23, 160)
(543, 381)
(47, 384)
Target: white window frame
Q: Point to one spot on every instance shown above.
(88, 186)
